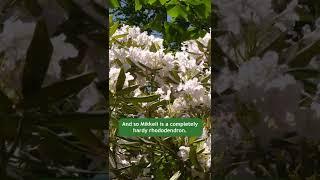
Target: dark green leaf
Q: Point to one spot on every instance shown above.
(33, 6)
(151, 1)
(193, 158)
(121, 79)
(304, 73)
(163, 2)
(304, 56)
(113, 29)
(143, 99)
(90, 140)
(144, 66)
(127, 90)
(93, 120)
(153, 48)
(309, 87)
(49, 134)
(175, 75)
(37, 61)
(128, 109)
(155, 105)
(273, 40)
(177, 11)
(61, 90)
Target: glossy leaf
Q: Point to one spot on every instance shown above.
(37, 61)
(61, 90)
(304, 56)
(143, 99)
(114, 3)
(127, 90)
(177, 11)
(121, 79)
(137, 5)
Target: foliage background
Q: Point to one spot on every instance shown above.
(266, 89)
(176, 21)
(52, 89)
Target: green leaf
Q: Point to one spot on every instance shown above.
(121, 79)
(304, 56)
(156, 23)
(176, 175)
(198, 141)
(114, 3)
(155, 105)
(310, 87)
(118, 37)
(137, 5)
(153, 48)
(143, 99)
(175, 75)
(143, 66)
(113, 29)
(163, 2)
(90, 140)
(59, 141)
(272, 40)
(177, 11)
(193, 158)
(61, 90)
(201, 151)
(128, 109)
(33, 7)
(201, 46)
(304, 73)
(37, 60)
(68, 87)
(127, 90)
(92, 120)
(151, 2)
(69, 6)
(57, 150)
(146, 141)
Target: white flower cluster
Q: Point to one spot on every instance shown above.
(257, 72)
(180, 78)
(256, 11)
(187, 70)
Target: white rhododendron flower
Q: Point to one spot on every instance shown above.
(184, 152)
(61, 50)
(257, 71)
(15, 40)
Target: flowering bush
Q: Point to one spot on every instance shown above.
(146, 80)
(266, 89)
